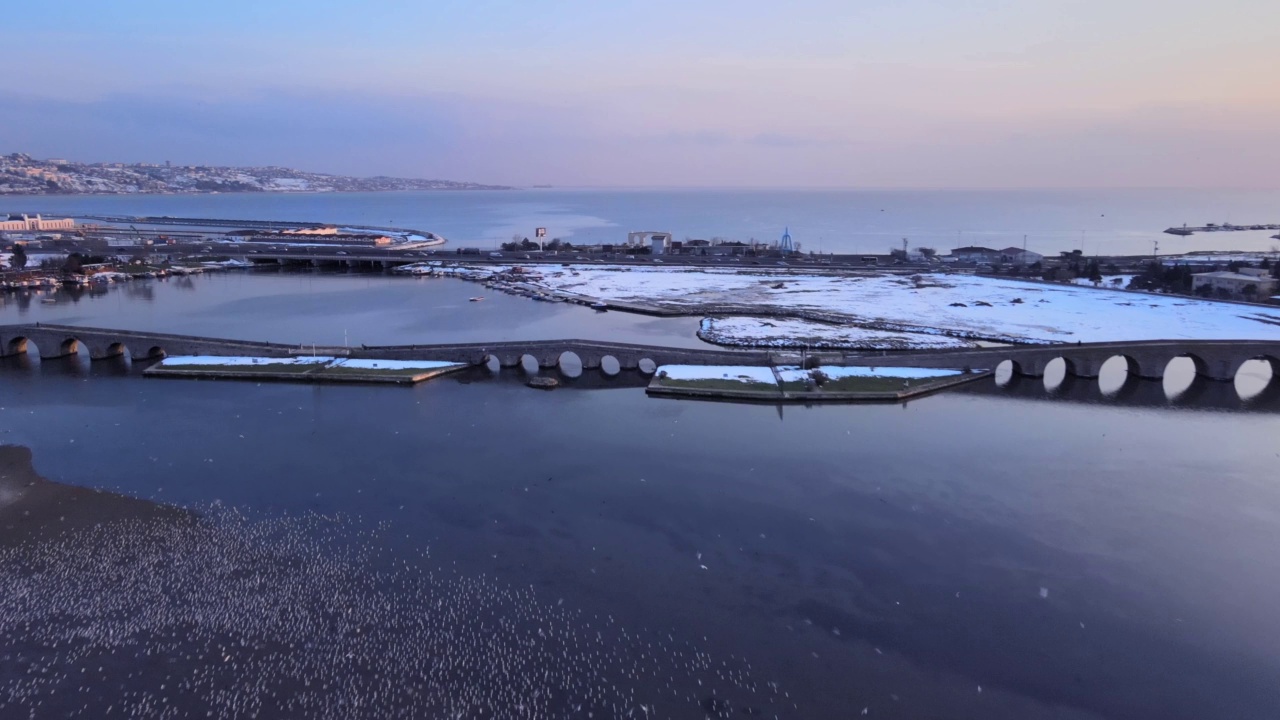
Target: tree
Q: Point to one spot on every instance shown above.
(74, 263)
(1249, 290)
(1095, 274)
(927, 251)
(19, 259)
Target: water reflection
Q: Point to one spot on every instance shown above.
(1255, 379)
(333, 309)
(1179, 376)
(1178, 390)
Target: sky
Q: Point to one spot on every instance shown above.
(804, 93)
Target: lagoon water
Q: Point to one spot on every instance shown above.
(985, 553)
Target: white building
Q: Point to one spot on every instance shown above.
(26, 223)
(660, 242)
(1235, 283)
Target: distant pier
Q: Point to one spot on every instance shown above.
(1214, 227)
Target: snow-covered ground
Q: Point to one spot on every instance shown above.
(792, 333)
(962, 306)
(791, 373)
(741, 373)
(356, 363)
(353, 363)
(234, 361)
(1117, 282)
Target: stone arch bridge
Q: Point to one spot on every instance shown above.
(1213, 359)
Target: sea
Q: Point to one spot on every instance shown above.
(1098, 222)
(473, 548)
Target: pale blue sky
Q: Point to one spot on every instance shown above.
(921, 93)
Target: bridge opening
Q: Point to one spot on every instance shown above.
(155, 353)
(118, 350)
(68, 359)
(570, 364)
(492, 364)
(1006, 373)
(1256, 378)
(647, 366)
(529, 364)
(1180, 378)
(22, 353)
(1115, 374)
(1058, 375)
(610, 366)
(22, 346)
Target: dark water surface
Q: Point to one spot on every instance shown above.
(980, 554)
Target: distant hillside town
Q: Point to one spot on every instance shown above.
(24, 175)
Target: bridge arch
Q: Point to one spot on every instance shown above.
(1183, 378)
(610, 366)
(69, 346)
(20, 345)
(1258, 378)
(1007, 373)
(117, 349)
(1199, 364)
(156, 352)
(570, 364)
(647, 366)
(1059, 375)
(492, 363)
(529, 364)
(1117, 374)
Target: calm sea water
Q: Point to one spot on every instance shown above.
(849, 221)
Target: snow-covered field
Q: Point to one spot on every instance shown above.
(357, 364)
(792, 333)
(791, 373)
(234, 361)
(740, 373)
(352, 363)
(1117, 282)
(959, 306)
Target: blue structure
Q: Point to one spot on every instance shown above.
(785, 244)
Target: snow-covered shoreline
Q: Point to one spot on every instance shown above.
(890, 311)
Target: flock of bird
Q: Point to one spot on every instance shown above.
(225, 616)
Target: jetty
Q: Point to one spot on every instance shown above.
(1224, 227)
